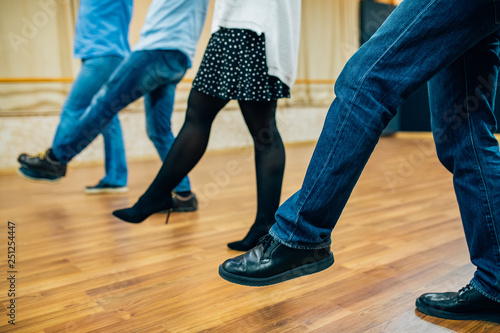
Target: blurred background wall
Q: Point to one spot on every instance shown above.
(36, 45)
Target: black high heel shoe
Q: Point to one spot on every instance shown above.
(141, 210)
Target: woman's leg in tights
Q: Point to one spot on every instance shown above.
(260, 118)
(186, 151)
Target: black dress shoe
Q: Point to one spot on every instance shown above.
(43, 165)
(466, 304)
(271, 262)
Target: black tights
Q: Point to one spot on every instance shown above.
(190, 145)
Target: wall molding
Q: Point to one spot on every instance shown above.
(33, 134)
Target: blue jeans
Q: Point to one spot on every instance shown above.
(458, 41)
(93, 74)
(159, 105)
(152, 74)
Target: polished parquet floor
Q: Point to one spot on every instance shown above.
(79, 269)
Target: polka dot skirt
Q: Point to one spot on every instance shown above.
(234, 67)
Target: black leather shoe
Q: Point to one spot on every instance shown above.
(271, 262)
(466, 304)
(43, 165)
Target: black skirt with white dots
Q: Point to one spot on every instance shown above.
(234, 67)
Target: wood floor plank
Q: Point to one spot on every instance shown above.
(79, 269)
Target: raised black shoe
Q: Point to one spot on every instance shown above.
(466, 304)
(45, 166)
(271, 262)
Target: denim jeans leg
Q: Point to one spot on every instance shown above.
(418, 40)
(115, 161)
(138, 74)
(159, 105)
(93, 74)
(462, 100)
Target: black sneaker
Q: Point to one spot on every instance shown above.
(466, 304)
(103, 188)
(185, 204)
(271, 262)
(43, 165)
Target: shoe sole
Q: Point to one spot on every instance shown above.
(454, 316)
(30, 167)
(308, 269)
(38, 180)
(106, 191)
(184, 209)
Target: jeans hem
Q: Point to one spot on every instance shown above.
(482, 292)
(301, 247)
(60, 158)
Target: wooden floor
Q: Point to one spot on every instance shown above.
(79, 269)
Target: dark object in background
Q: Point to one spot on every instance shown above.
(371, 16)
(414, 113)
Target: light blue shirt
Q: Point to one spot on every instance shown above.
(102, 28)
(173, 25)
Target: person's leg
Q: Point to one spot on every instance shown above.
(405, 52)
(159, 105)
(93, 74)
(115, 162)
(418, 40)
(260, 118)
(462, 100)
(140, 73)
(186, 151)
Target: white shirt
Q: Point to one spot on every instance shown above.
(279, 20)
